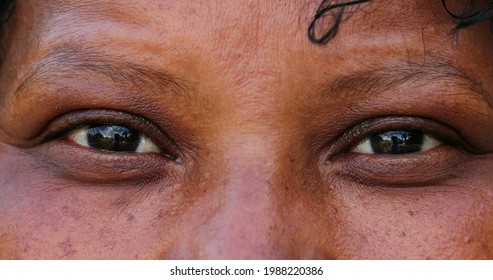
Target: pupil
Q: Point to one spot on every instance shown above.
(113, 138)
(397, 142)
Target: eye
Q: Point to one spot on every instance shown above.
(396, 142)
(113, 138)
(397, 152)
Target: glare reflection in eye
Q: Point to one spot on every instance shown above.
(396, 142)
(113, 138)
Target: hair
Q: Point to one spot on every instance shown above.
(472, 14)
(6, 9)
(337, 10)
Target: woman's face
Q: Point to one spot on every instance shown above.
(196, 130)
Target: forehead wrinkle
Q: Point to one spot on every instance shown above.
(142, 13)
(69, 62)
(116, 11)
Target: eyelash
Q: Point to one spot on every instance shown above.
(350, 139)
(66, 126)
(63, 126)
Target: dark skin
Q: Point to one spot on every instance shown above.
(255, 137)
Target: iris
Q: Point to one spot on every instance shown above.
(397, 142)
(113, 138)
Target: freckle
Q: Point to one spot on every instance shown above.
(403, 234)
(411, 213)
(130, 217)
(26, 247)
(66, 246)
(162, 213)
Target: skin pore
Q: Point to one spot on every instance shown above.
(255, 134)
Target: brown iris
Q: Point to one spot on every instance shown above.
(397, 142)
(113, 138)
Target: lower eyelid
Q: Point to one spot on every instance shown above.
(84, 165)
(418, 169)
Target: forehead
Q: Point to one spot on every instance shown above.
(228, 32)
(244, 25)
(243, 48)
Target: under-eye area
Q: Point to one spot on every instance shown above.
(421, 169)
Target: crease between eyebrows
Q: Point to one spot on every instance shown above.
(69, 63)
(412, 73)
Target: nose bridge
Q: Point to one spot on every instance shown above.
(245, 221)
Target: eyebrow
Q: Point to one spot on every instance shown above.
(70, 62)
(412, 72)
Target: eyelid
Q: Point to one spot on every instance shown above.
(356, 134)
(68, 123)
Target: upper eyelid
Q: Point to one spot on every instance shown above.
(79, 119)
(67, 123)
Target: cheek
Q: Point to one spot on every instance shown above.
(66, 224)
(440, 222)
(45, 217)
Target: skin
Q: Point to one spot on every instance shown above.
(257, 128)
